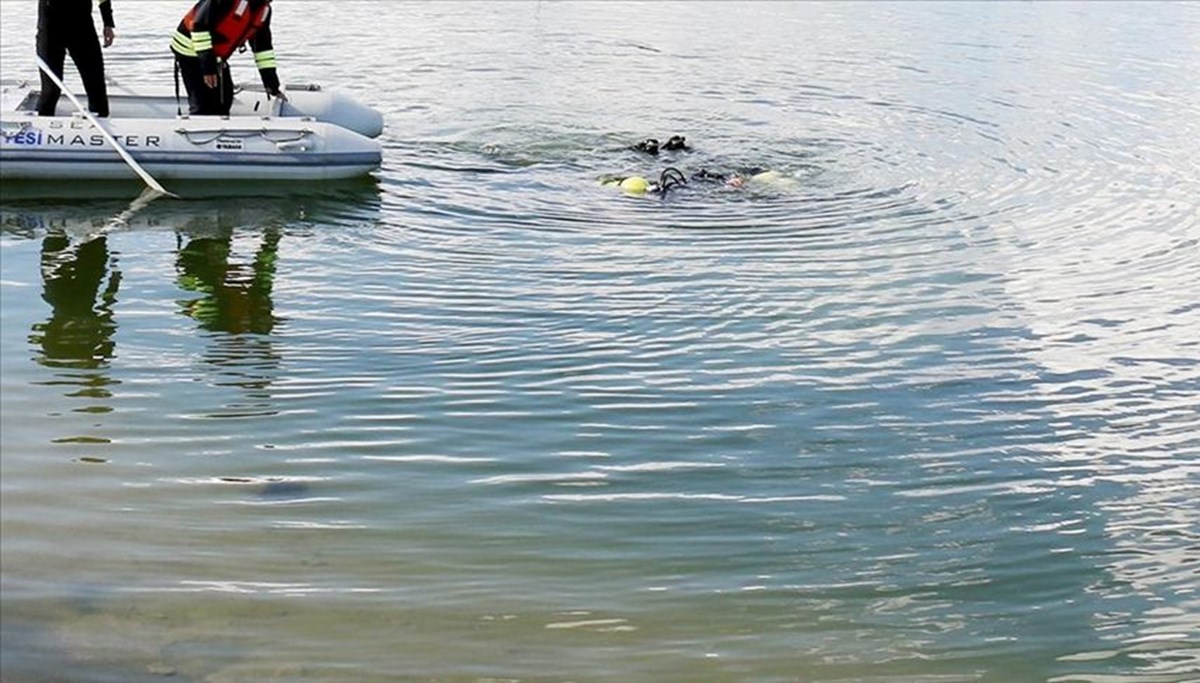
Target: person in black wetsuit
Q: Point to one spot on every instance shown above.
(66, 26)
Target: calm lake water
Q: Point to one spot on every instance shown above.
(926, 408)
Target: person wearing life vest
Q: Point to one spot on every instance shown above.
(204, 41)
(66, 26)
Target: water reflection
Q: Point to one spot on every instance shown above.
(234, 300)
(225, 253)
(234, 297)
(80, 282)
(79, 332)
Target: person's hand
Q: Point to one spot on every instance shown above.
(210, 80)
(109, 35)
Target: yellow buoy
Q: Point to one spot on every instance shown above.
(635, 185)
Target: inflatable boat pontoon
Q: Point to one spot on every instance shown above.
(315, 135)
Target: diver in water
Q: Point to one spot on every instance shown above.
(753, 178)
(669, 179)
(755, 174)
(705, 175)
(675, 142)
(651, 146)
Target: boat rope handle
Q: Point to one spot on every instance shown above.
(224, 133)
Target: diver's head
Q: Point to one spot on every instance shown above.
(675, 142)
(649, 146)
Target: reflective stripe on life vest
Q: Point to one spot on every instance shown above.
(229, 32)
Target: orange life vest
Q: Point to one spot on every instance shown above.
(235, 28)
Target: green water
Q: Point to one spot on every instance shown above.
(924, 411)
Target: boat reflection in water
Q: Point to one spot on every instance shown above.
(226, 254)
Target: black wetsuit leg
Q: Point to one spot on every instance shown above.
(203, 100)
(56, 37)
(84, 47)
(52, 48)
(193, 83)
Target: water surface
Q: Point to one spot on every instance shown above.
(924, 410)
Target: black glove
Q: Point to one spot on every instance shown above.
(270, 81)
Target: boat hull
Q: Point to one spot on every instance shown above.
(202, 148)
